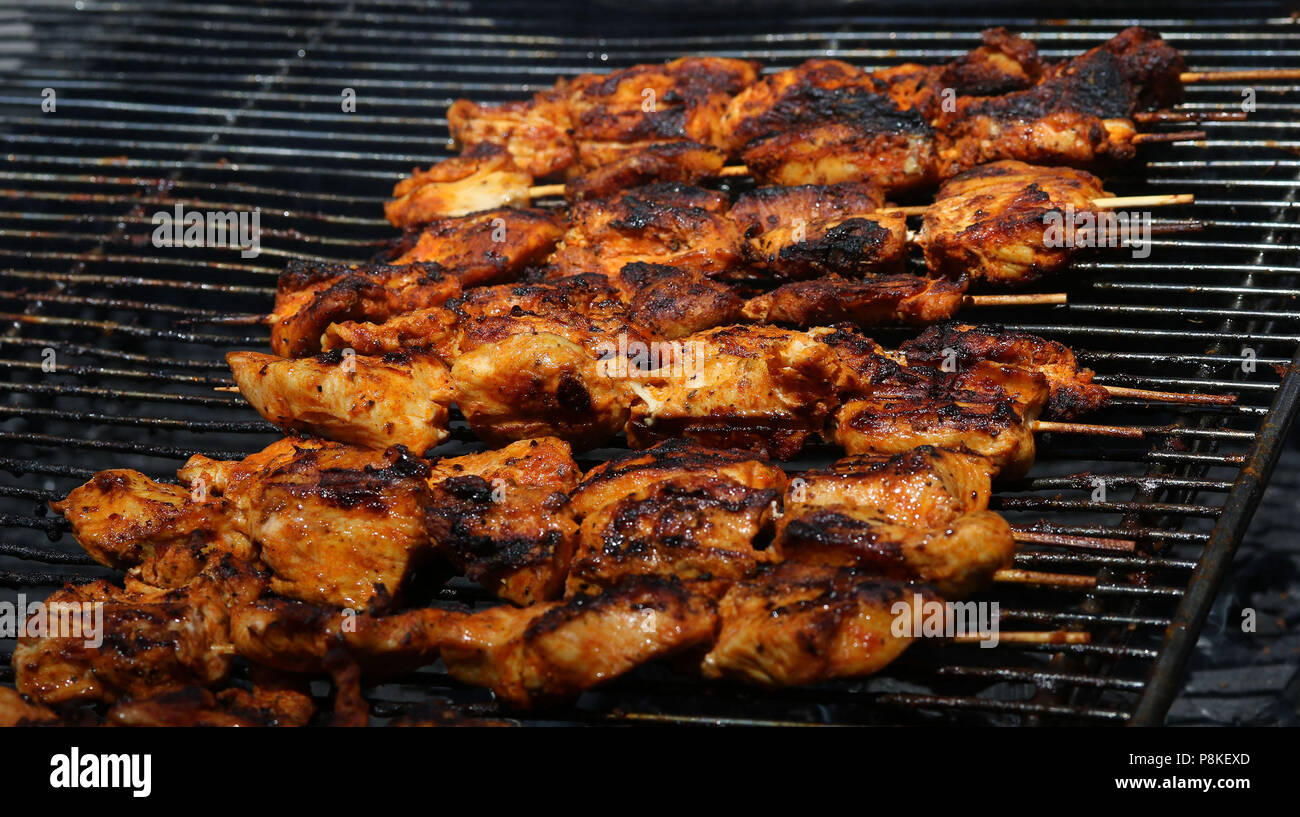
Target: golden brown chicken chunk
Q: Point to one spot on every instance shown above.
(801, 624)
(774, 207)
(682, 100)
(311, 296)
(995, 223)
(534, 132)
(851, 247)
(503, 517)
(675, 510)
(1072, 391)
(671, 303)
(398, 399)
(682, 162)
(866, 302)
(1003, 63)
(485, 178)
(557, 650)
(17, 710)
(488, 247)
(757, 388)
(921, 515)
(668, 224)
(196, 706)
(785, 100)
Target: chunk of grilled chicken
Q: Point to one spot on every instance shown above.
(968, 347)
(869, 301)
(681, 162)
(758, 388)
(770, 208)
(677, 509)
(786, 100)
(18, 710)
(557, 650)
(921, 515)
(503, 517)
(888, 424)
(276, 705)
(1004, 62)
(335, 524)
(852, 247)
(534, 132)
(134, 641)
(1149, 70)
(311, 296)
(994, 223)
(682, 100)
(485, 178)
(670, 224)
(398, 399)
(671, 303)
(800, 624)
(486, 247)
(164, 533)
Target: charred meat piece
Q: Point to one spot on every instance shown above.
(682, 162)
(1072, 391)
(504, 518)
(1008, 222)
(786, 100)
(668, 224)
(851, 247)
(485, 178)
(921, 515)
(802, 624)
(676, 510)
(1003, 63)
(680, 101)
(869, 301)
(757, 388)
(488, 247)
(671, 303)
(1149, 67)
(554, 651)
(279, 705)
(310, 297)
(534, 132)
(771, 208)
(398, 399)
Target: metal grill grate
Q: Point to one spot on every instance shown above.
(220, 108)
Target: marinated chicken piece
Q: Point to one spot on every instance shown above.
(503, 517)
(671, 303)
(196, 706)
(682, 162)
(488, 247)
(554, 651)
(887, 424)
(398, 399)
(166, 533)
(683, 100)
(135, 641)
(1151, 69)
(771, 208)
(802, 624)
(676, 510)
(994, 223)
(866, 302)
(1005, 62)
(18, 710)
(338, 525)
(534, 132)
(921, 515)
(1072, 391)
(668, 224)
(786, 100)
(434, 329)
(757, 388)
(311, 296)
(485, 178)
(852, 247)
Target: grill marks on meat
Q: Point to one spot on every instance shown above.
(676, 510)
(375, 402)
(800, 624)
(876, 300)
(503, 517)
(309, 297)
(991, 223)
(681, 162)
(670, 303)
(485, 178)
(487, 247)
(534, 133)
(920, 515)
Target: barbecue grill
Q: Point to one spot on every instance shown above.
(111, 355)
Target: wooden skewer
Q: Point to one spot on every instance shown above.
(1172, 136)
(1022, 637)
(234, 389)
(1016, 300)
(543, 190)
(1239, 76)
(1172, 396)
(1013, 576)
(1110, 203)
(1189, 116)
(1031, 537)
(1038, 426)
